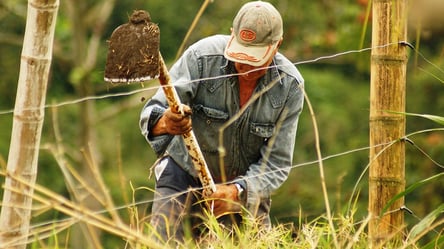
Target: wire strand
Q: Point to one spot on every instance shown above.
(133, 92)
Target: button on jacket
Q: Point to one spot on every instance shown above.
(258, 144)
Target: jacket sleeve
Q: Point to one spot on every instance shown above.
(149, 116)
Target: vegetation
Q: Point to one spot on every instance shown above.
(94, 164)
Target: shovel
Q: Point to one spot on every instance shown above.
(134, 56)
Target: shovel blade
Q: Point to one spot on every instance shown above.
(133, 51)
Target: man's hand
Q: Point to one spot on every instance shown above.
(173, 123)
(225, 200)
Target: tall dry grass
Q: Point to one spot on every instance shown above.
(130, 229)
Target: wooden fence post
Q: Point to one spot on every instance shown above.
(27, 123)
(387, 93)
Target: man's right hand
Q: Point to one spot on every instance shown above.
(173, 123)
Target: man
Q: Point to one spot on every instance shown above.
(215, 78)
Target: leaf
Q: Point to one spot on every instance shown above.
(425, 223)
(437, 119)
(409, 190)
(434, 118)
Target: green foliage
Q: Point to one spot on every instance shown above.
(410, 189)
(426, 223)
(337, 87)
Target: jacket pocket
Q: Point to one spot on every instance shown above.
(210, 113)
(207, 122)
(258, 137)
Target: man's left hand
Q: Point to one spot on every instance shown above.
(225, 200)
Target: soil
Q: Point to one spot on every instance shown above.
(133, 52)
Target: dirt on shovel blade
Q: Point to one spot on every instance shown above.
(133, 52)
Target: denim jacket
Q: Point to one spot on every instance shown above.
(258, 145)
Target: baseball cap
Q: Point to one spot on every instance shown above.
(257, 30)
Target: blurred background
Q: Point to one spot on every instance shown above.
(103, 119)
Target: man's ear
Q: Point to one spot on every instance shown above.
(278, 45)
(280, 42)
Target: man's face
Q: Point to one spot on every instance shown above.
(252, 73)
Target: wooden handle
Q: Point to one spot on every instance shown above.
(194, 151)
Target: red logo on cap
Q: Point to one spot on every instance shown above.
(247, 35)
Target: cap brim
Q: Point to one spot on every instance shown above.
(251, 55)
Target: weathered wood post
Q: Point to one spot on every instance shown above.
(387, 93)
(28, 121)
